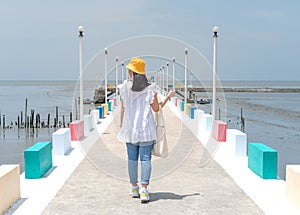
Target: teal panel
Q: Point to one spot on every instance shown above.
(109, 104)
(262, 160)
(270, 165)
(181, 105)
(38, 159)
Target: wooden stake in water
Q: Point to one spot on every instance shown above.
(21, 118)
(37, 121)
(48, 121)
(64, 124)
(25, 116)
(18, 122)
(32, 118)
(3, 121)
(242, 121)
(76, 112)
(56, 125)
(27, 122)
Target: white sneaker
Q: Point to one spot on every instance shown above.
(134, 192)
(144, 195)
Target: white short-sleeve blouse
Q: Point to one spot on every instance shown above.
(138, 122)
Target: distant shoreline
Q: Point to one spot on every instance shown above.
(245, 89)
(241, 86)
(260, 89)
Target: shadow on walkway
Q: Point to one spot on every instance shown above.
(168, 195)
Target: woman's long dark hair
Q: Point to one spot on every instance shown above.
(140, 82)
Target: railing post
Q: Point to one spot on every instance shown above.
(185, 75)
(215, 36)
(80, 29)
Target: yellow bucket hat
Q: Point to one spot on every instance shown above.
(137, 65)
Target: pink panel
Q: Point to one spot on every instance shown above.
(77, 130)
(219, 130)
(115, 101)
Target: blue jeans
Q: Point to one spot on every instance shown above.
(145, 151)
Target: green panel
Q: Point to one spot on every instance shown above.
(37, 146)
(262, 160)
(181, 105)
(109, 104)
(38, 159)
(270, 165)
(32, 164)
(46, 158)
(255, 159)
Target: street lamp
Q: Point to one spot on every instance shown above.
(80, 30)
(185, 75)
(105, 68)
(122, 72)
(163, 79)
(167, 77)
(117, 77)
(173, 73)
(215, 36)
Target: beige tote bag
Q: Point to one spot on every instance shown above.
(160, 146)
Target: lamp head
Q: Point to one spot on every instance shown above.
(216, 30)
(80, 30)
(186, 50)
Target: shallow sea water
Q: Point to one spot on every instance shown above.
(270, 118)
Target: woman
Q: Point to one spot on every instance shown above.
(138, 128)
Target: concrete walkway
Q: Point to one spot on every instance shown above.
(179, 185)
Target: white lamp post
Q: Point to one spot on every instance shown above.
(215, 36)
(117, 76)
(185, 75)
(163, 79)
(80, 30)
(105, 80)
(160, 80)
(167, 77)
(173, 73)
(122, 72)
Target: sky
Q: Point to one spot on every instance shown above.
(258, 39)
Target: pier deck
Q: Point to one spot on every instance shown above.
(188, 189)
(93, 178)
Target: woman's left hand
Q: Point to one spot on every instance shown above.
(171, 93)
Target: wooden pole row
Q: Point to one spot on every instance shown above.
(34, 121)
